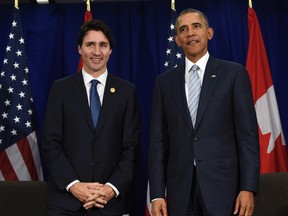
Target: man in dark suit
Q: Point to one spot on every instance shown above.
(91, 166)
(206, 161)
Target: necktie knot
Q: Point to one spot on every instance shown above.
(94, 83)
(194, 68)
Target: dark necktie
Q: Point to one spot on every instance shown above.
(194, 88)
(95, 104)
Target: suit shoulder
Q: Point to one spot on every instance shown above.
(121, 82)
(67, 79)
(228, 64)
(170, 73)
(64, 84)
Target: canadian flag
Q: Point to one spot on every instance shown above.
(273, 151)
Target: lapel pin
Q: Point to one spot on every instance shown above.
(112, 90)
(213, 76)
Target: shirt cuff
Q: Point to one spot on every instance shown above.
(157, 199)
(114, 188)
(71, 184)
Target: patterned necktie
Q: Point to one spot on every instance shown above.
(194, 87)
(95, 104)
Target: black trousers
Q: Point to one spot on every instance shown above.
(52, 211)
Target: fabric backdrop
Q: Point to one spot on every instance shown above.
(140, 29)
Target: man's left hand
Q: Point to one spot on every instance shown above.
(92, 201)
(244, 204)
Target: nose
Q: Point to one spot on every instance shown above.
(96, 50)
(190, 31)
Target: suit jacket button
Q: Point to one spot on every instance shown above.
(195, 139)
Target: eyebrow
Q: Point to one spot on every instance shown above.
(93, 42)
(193, 24)
(196, 23)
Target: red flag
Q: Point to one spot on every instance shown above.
(273, 151)
(87, 17)
(19, 152)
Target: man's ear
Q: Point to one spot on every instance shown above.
(79, 50)
(210, 33)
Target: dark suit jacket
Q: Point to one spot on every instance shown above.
(73, 149)
(224, 143)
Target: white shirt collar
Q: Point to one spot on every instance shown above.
(201, 63)
(87, 77)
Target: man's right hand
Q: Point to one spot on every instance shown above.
(159, 207)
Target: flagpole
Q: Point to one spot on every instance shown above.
(250, 3)
(173, 5)
(16, 4)
(88, 5)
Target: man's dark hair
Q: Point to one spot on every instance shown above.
(96, 25)
(191, 10)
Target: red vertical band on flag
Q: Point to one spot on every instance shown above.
(87, 17)
(273, 151)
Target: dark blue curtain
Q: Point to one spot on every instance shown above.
(140, 29)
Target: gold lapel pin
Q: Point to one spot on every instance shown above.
(112, 90)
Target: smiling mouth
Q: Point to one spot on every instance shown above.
(192, 42)
(96, 60)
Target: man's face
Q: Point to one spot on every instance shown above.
(95, 51)
(193, 35)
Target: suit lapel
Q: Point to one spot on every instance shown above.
(180, 96)
(210, 80)
(79, 91)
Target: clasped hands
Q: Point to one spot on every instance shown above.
(92, 194)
